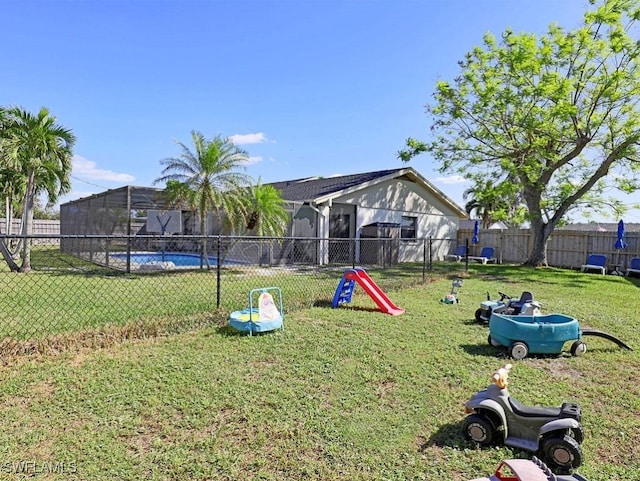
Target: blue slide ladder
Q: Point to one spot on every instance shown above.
(344, 291)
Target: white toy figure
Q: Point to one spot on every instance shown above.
(267, 310)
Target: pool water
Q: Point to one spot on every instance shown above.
(179, 260)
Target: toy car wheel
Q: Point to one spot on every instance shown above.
(492, 341)
(478, 315)
(479, 429)
(578, 348)
(562, 452)
(577, 434)
(518, 350)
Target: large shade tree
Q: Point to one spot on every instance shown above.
(555, 115)
(37, 159)
(209, 178)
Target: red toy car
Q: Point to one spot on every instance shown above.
(525, 470)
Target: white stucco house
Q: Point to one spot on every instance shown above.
(395, 203)
(335, 219)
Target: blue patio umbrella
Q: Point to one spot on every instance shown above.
(476, 229)
(620, 243)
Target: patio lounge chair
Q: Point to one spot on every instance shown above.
(595, 262)
(634, 266)
(461, 253)
(486, 255)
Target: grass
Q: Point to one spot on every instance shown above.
(340, 394)
(65, 295)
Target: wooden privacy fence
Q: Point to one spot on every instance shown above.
(40, 226)
(565, 248)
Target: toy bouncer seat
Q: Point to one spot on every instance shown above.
(267, 316)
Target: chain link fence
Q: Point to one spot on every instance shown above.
(93, 286)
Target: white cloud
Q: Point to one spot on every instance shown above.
(244, 139)
(255, 159)
(451, 180)
(86, 169)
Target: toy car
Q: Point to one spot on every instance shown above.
(525, 470)
(506, 305)
(554, 434)
(540, 334)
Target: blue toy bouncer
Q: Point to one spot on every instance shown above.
(267, 316)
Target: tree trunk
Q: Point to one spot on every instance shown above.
(7, 214)
(12, 248)
(27, 222)
(538, 253)
(203, 231)
(8, 257)
(540, 233)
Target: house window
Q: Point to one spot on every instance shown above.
(408, 227)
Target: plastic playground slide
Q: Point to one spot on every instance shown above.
(379, 297)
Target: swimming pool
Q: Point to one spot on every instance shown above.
(167, 260)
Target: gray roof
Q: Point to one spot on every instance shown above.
(318, 189)
(310, 188)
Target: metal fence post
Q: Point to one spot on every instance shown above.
(218, 274)
(353, 254)
(466, 257)
(384, 254)
(424, 260)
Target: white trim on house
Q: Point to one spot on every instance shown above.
(412, 175)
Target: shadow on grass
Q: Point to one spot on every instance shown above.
(448, 435)
(473, 322)
(228, 331)
(510, 274)
(484, 350)
(503, 352)
(323, 303)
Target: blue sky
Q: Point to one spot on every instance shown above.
(307, 87)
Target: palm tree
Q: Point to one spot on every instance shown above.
(211, 178)
(11, 179)
(42, 149)
(8, 165)
(12, 187)
(265, 211)
(495, 201)
(8, 171)
(481, 201)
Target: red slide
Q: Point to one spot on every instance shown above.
(374, 291)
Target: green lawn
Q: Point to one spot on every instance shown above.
(340, 394)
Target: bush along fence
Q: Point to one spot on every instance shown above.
(94, 286)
